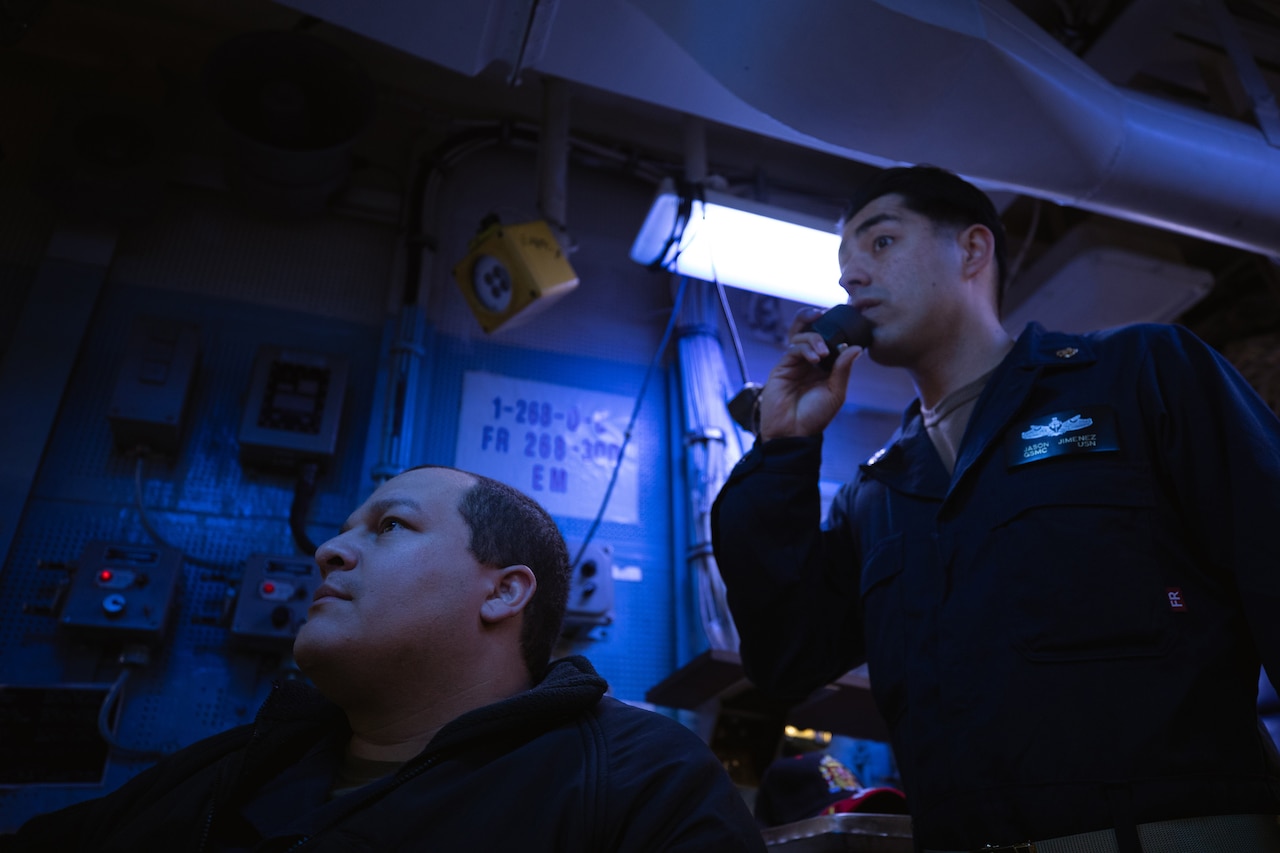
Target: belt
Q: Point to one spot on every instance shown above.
(1260, 833)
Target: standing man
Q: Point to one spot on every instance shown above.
(439, 724)
(1063, 570)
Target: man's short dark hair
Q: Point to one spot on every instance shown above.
(509, 528)
(942, 197)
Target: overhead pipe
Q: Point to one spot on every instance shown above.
(553, 157)
(978, 88)
(972, 85)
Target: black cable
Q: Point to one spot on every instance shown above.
(145, 517)
(635, 411)
(661, 261)
(748, 387)
(733, 327)
(444, 154)
(105, 730)
(303, 492)
(688, 193)
(1016, 266)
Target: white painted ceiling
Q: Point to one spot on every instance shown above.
(1130, 118)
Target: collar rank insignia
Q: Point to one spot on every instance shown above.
(1066, 352)
(1090, 429)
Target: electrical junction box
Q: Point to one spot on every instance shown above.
(512, 273)
(153, 388)
(590, 588)
(121, 591)
(293, 408)
(272, 601)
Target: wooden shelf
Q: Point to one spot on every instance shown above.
(844, 707)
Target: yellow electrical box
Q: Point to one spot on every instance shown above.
(513, 271)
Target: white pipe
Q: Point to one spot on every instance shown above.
(978, 88)
(695, 150)
(553, 154)
(972, 85)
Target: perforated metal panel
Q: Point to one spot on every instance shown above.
(205, 478)
(201, 500)
(205, 244)
(206, 504)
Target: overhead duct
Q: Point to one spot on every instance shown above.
(978, 88)
(972, 85)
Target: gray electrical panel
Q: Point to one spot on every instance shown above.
(591, 588)
(272, 601)
(122, 591)
(153, 388)
(293, 408)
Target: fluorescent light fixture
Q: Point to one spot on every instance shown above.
(743, 243)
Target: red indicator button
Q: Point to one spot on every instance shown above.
(105, 576)
(268, 587)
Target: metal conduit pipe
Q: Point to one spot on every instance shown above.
(553, 156)
(407, 351)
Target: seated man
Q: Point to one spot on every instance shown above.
(438, 723)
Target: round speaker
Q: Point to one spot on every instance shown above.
(293, 106)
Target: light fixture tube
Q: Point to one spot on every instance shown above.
(744, 244)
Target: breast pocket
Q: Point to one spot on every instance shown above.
(1076, 559)
(884, 625)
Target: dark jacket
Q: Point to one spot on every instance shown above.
(558, 768)
(1065, 633)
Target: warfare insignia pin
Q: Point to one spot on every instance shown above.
(1058, 427)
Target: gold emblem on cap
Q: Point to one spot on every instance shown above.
(1066, 352)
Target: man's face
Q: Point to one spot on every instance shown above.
(903, 274)
(401, 589)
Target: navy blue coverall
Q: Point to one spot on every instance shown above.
(1065, 633)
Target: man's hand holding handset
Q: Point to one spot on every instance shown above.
(807, 387)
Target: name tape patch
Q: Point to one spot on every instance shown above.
(1091, 429)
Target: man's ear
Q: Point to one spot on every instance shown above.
(511, 592)
(977, 250)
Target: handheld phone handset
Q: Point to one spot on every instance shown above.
(843, 324)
